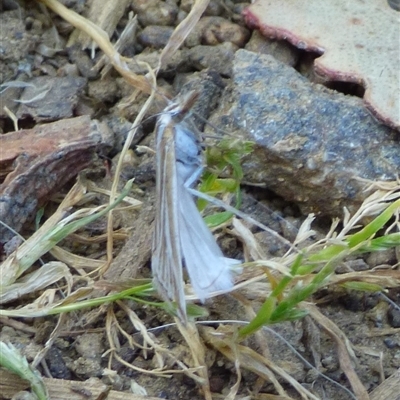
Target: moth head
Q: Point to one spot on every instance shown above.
(182, 105)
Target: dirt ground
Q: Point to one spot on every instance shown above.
(36, 48)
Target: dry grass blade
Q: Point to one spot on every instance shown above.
(47, 275)
(152, 343)
(79, 263)
(19, 261)
(119, 234)
(11, 383)
(12, 116)
(11, 359)
(191, 335)
(182, 31)
(388, 389)
(62, 389)
(134, 204)
(105, 14)
(251, 246)
(101, 38)
(118, 169)
(253, 361)
(126, 39)
(45, 304)
(381, 277)
(56, 228)
(345, 352)
(50, 341)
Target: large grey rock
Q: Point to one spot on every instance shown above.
(312, 144)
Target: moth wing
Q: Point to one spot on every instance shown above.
(207, 267)
(166, 259)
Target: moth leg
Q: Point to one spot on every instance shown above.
(193, 177)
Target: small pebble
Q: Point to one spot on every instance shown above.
(381, 258)
(105, 90)
(56, 364)
(217, 383)
(394, 317)
(218, 58)
(160, 14)
(237, 16)
(214, 7)
(220, 30)
(12, 245)
(279, 49)
(83, 62)
(90, 345)
(155, 36)
(390, 343)
(215, 30)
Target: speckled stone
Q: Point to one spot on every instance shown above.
(216, 58)
(56, 98)
(214, 30)
(280, 49)
(157, 13)
(155, 36)
(312, 144)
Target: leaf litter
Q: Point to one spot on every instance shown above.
(241, 355)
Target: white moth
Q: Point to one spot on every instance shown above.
(181, 236)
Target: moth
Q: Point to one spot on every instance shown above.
(181, 237)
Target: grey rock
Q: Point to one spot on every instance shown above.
(16, 41)
(394, 317)
(379, 258)
(217, 58)
(177, 61)
(56, 364)
(160, 13)
(214, 30)
(51, 98)
(105, 90)
(280, 49)
(312, 144)
(155, 36)
(83, 62)
(214, 7)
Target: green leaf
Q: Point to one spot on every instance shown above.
(328, 253)
(38, 217)
(11, 359)
(374, 226)
(225, 157)
(380, 244)
(194, 311)
(290, 315)
(362, 286)
(218, 219)
(262, 318)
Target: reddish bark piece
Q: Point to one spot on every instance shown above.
(358, 40)
(35, 163)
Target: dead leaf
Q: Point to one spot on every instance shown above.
(358, 42)
(182, 31)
